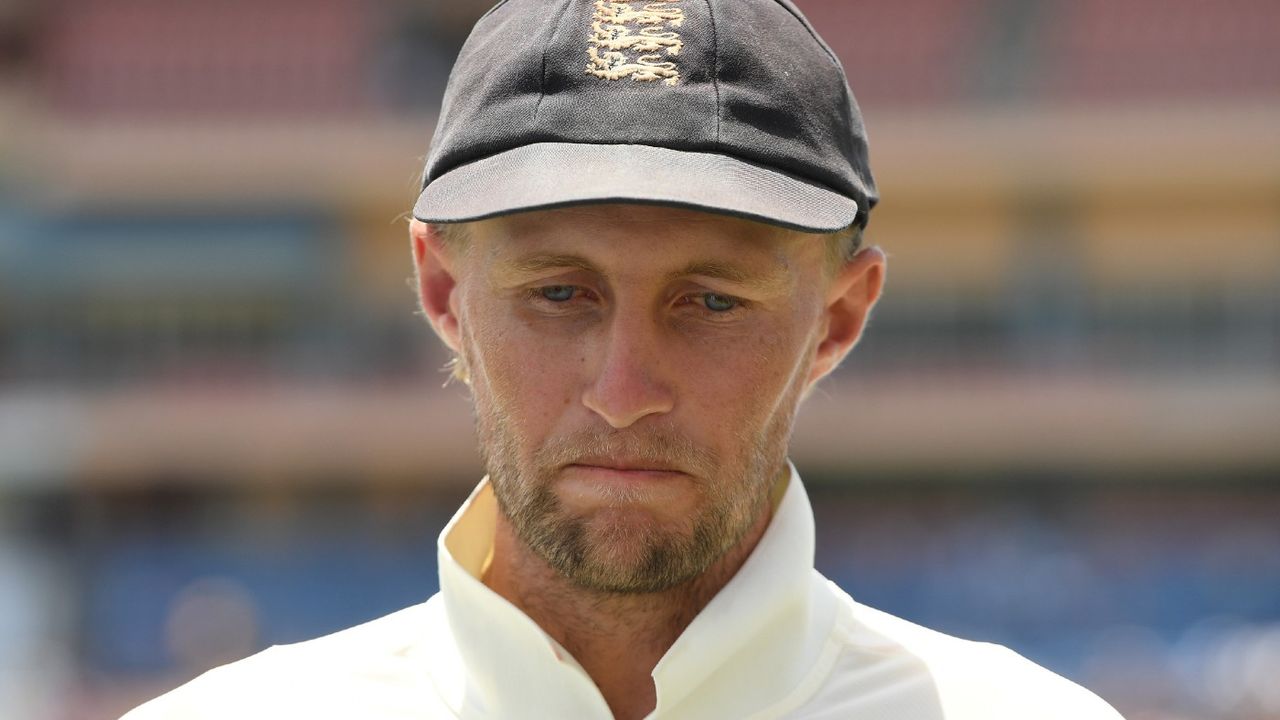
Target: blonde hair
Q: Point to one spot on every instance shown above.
(842, 245)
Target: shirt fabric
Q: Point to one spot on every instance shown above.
(778, 641)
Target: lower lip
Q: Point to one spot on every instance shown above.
(593, 487)
(608, 474)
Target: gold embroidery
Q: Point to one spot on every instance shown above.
(614, 41)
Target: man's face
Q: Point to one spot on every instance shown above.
(635, 373)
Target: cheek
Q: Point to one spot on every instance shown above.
(525, 375)
(742, 381)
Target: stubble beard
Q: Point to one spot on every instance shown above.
(630, 558)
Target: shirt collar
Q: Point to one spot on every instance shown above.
(747, 650)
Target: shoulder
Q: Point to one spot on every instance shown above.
(890, 665)
(213, 694)
(331, 676)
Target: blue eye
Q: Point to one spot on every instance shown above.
(557, 293)
(719, 303)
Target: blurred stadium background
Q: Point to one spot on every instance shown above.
(222, 426)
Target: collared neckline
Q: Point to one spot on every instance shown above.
(748, 650)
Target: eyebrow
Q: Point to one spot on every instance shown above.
(550, 261)
(772, 280)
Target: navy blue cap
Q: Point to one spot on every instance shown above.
(727, 106)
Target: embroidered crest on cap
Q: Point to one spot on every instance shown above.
(626, 42)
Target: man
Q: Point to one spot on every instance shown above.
(639, 232)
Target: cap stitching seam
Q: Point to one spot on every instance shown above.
(715, 66)
(542, 84)
(542, 77)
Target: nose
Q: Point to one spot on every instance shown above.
(628, 384)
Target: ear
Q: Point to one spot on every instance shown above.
(436, 276)
(849, 300)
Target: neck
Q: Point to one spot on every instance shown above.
(617, 638)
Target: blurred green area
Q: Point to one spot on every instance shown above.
(222, 424)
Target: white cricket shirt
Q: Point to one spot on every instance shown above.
(779, 641)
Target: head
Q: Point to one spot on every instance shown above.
(636, 371)
(649, 261)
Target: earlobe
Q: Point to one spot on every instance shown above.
(852, 295)
(435, 281)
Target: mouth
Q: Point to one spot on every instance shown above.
(625, 465)
(617, 482)
(618, 473)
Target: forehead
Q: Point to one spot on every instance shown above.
(642, 235)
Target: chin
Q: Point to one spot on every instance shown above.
(628, 551)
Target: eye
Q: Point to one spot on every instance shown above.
(557, 293)
(719, 303)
